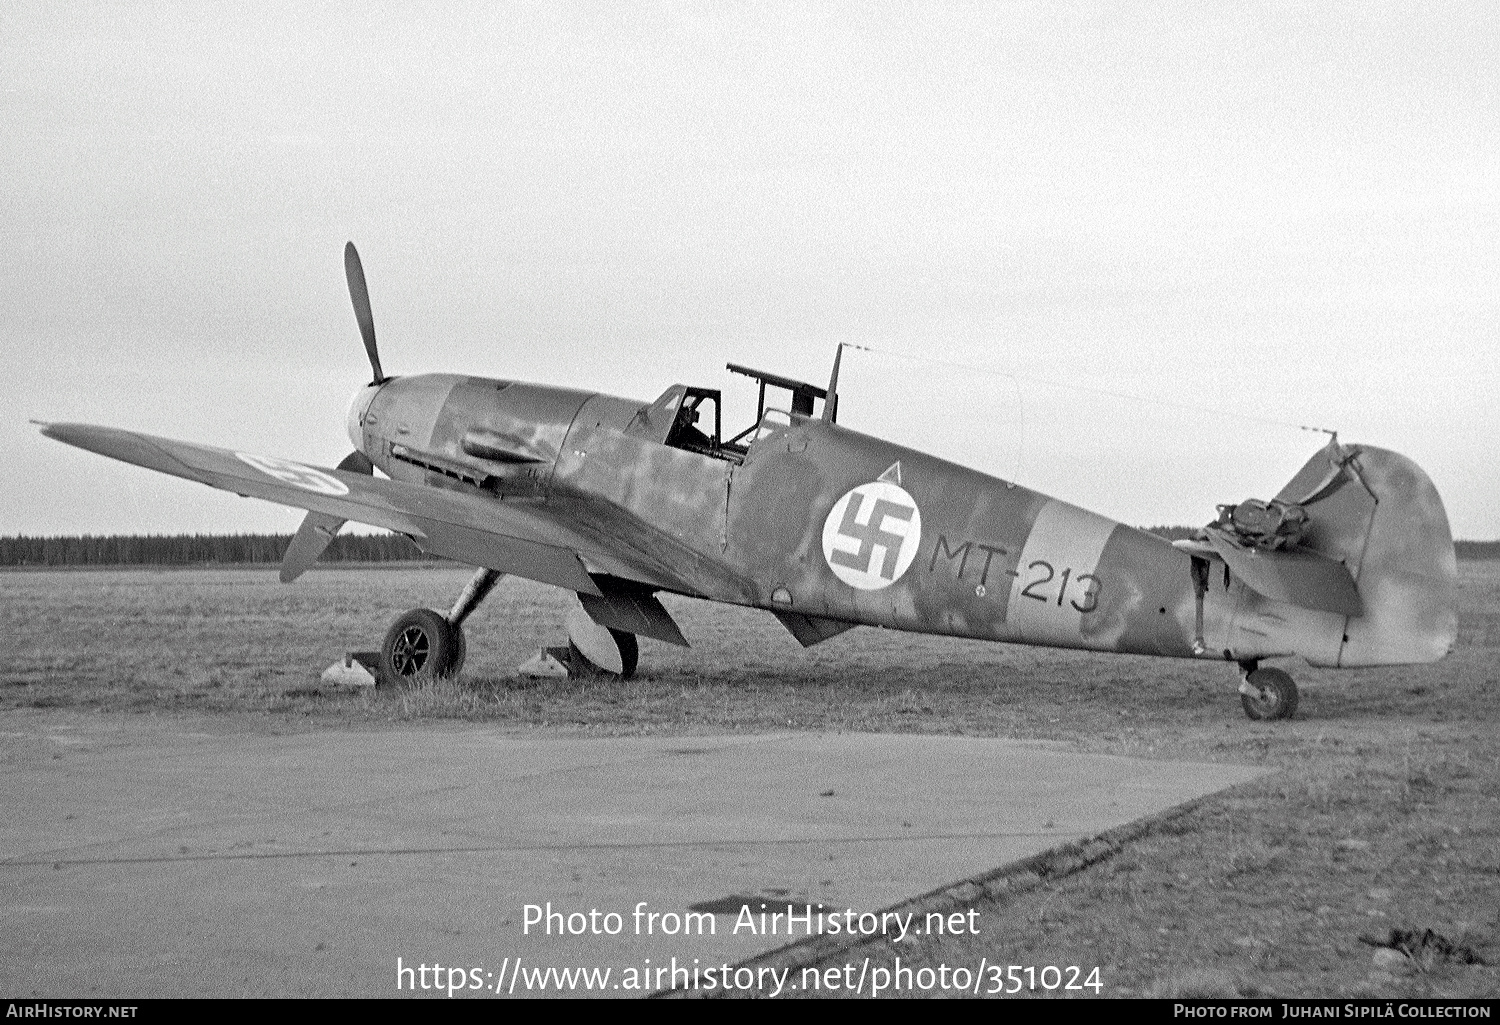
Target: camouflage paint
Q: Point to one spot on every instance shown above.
(826, 526)
(996, 560)
(815, 505)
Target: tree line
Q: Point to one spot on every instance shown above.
(198, 549)
(194, 549)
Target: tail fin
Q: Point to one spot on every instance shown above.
(1378, 513)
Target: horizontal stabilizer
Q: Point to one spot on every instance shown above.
(632, 608)
(1298, 576)
(810, 630)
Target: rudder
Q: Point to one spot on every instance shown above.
(1378, 512)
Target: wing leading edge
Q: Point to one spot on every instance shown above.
(507, 537)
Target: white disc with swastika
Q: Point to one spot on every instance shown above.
(295, 474)
(872, 534)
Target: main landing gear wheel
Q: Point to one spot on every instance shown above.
(625, 648)
(596, 650)
(421, 643)
(1269, 694)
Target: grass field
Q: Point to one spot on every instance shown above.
(1384, 814)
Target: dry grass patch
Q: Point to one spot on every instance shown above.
(1384, 814)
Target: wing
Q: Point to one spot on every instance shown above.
(510, 537)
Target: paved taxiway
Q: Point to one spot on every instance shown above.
(142, 856)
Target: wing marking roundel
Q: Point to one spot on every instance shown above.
(872, 535)
(295, 474)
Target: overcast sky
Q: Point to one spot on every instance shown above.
(1280, 211)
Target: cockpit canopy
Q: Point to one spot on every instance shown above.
(691, 418)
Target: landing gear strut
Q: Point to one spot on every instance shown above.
(425, 642)
(1267, 693)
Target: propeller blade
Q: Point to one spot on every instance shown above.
(318, 529)
(313, 536)
(357, 462)
(360, 295)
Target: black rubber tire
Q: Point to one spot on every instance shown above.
(630, 652)
(1280, 690)
(630, 656)
(420, 645)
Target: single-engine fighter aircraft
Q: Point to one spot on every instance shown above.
(1351, 564)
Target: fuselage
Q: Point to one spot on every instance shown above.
(818, 520)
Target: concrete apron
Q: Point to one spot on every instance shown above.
(140, 859)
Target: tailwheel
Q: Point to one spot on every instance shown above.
(421, 644)
(1269, 694)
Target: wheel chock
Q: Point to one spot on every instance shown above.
(355, 669)
(543, 665)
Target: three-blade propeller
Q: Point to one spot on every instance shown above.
(318, 529)
(360, 295)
